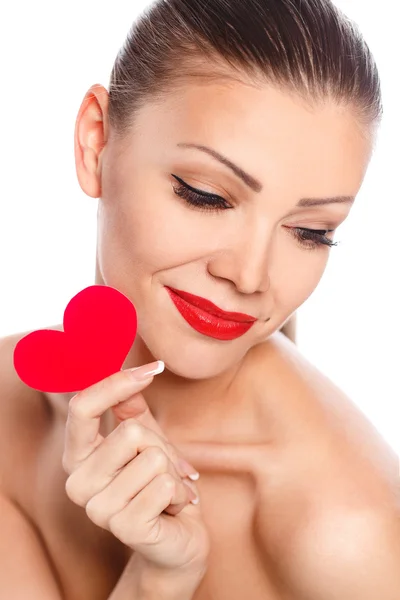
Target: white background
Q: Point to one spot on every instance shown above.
(51, 54)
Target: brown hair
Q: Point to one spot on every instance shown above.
(308, 47)
(305, 47)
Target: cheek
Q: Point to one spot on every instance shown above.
(293, 281)
(163, 235)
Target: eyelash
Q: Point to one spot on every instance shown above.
(308, 238)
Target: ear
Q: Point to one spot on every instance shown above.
(91, 134)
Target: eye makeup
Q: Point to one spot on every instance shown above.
(206, 201)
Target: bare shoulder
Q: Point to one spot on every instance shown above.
(324, 429)
(330, 483)
(25, 417)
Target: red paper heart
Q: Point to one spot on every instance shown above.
(100, 326)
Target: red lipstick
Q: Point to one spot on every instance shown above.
(206, 318)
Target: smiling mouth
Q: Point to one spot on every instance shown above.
(209, 320)
(212, 309)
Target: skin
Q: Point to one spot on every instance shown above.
(245, 259)
(261, 424)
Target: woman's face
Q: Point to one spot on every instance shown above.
(243, 248)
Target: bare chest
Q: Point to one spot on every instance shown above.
(88, 561)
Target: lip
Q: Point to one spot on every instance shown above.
(211, 308)
(208, 319)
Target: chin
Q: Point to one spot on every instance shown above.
(189, 369)
(195, 356)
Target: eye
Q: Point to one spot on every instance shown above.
(312, 239)
(198, 198)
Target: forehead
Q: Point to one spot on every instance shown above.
(268, 132)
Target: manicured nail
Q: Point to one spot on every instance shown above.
(188, 469)
(194, 496)
(146, 371)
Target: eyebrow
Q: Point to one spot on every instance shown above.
(256, 185)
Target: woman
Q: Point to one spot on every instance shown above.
(228, 149)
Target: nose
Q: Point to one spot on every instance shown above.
(245, 261)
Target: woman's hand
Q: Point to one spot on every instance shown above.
(128, 480)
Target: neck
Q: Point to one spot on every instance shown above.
(184, 405)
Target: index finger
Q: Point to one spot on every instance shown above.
(82, 434)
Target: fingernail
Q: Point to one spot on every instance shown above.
(188, 469)
(193, 492)
(146, 371)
